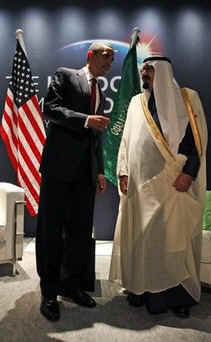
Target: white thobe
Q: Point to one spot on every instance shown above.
(157, 242)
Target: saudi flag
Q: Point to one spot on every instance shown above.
(129, 87)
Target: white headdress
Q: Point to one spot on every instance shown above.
(169, 101)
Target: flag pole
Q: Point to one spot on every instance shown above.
(135, 36)
(19, 37)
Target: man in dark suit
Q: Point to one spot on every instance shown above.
(72, 172)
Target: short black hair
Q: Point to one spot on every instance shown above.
(99, 45)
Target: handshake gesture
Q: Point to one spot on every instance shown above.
(98, 122)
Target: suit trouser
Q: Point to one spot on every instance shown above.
(69, 206)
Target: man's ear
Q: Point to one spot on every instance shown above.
(90, 54)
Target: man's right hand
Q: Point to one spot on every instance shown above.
(98, 122)
(123, 181)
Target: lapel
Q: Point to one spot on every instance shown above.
(83, 83)
(101, 101)
(85, 89)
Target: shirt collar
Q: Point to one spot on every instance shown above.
(88, 74)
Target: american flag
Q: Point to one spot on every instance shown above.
(22, 128)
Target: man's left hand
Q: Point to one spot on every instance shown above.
(183, 182)
(101, 184)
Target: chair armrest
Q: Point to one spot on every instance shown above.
(11, 214)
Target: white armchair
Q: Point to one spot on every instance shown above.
(205, 271)
(11, 225)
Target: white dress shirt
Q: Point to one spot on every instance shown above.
(89, 77)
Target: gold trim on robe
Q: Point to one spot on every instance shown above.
(192, 119)
(157, 133)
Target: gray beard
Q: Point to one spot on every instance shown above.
(145, 85)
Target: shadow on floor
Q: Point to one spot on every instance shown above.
(25, 323)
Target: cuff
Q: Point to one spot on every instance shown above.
(86, 122)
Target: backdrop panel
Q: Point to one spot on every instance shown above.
(58, 35)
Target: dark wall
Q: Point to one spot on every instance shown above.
(180, 31)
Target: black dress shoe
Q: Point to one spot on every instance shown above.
(135, 300)
(182, 311)
(80, 297)
(50, 309)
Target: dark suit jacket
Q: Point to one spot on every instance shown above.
(66, 106)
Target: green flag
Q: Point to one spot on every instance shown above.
(129, 86)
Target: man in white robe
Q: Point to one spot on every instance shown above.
(162, 182)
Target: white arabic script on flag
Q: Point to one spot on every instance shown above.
(22, 129)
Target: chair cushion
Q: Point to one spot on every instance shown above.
(206, 247)
(2, 233)
(206, 224)
(3, 244)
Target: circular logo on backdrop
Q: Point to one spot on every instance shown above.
(74, 55)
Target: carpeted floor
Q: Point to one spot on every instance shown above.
(111, 321)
